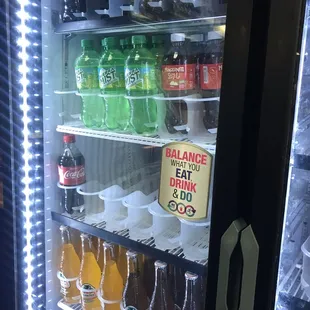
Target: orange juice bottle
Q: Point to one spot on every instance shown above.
(112, 285)
(68, 268)
(90, 274)
(99, 256)
(122, 262)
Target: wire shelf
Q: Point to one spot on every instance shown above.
(79, 129)
(147, 246)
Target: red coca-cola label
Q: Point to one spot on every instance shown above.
(178, 77)
(71, 176)
(211, 76)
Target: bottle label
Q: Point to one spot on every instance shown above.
(65, 284)
(140, 78)
(88, 292)
(211, 76)
(178, 77)
(87, 78)
(71, 176)
(111, 77)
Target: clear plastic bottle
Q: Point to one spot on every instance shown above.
(178, 80)
(141, 85)
(192, 299)
(210, 67)
(112, 85)
(134, 296)
(90, 275)
(69, 268)
(162, 297)
(86, 72)
(112, 285)
(71, 172)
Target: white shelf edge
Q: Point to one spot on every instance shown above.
(142, 140)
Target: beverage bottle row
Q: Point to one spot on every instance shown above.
(146, 10)
(105, 278)
(141, 73)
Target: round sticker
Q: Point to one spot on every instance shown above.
(190, 211)
(172, 205)
(181, 208)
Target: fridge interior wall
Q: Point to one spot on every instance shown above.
(296, 228)
(108, 162)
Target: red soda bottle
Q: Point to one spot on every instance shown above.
(178, 80)
(71, 171)
(210, 67)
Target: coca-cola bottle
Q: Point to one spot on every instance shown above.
(71, 171)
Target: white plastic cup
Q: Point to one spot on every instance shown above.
(139, 220)
(166, 227)
(115, 213)
(94, 207)
(194, 239)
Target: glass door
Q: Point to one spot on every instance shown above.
(116, 120)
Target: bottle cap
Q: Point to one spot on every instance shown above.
(196, 37)
(190, 276)
(214, 35)
(138, 39)
(160, 264)
(178, 37)
(131, 253)
(111, 41)
(158, 39)
(69, 138)
(87, 43)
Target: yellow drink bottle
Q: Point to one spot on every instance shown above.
(99, 257)
(90, 274)
(69, 268)
(112, 285)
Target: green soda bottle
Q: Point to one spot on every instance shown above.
(126, 46)
(112, 85)
(86, 72)
(140, 85)
(158, 50)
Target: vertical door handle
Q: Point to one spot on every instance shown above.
(229, 241)
(250, 252)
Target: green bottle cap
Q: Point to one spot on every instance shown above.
(138, 39)
(158, 39)
(111, 41)
(87, 43)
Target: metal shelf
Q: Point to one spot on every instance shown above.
(81, 130)
(123, 25)
(145, 246)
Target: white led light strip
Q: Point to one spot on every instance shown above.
(23, 69)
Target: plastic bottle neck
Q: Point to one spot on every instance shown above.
(87, 49)
(178, 43)
(158, 45)
(161, 278)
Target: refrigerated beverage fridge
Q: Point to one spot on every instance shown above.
(116, 194)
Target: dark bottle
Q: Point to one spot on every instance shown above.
(134, 296)
(210, 67)
(71, 172)
(162, 297)
(176, 279)
(149, 276)
(178, 80)
(73, 9)
(196, 49)
(192, 299)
